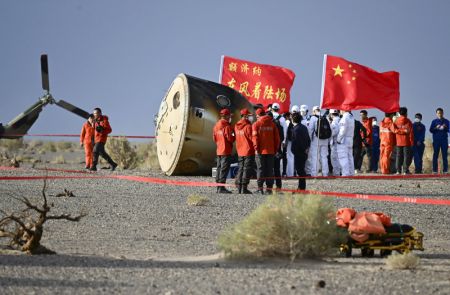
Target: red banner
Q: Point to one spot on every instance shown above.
(259, 83)
(350, 86)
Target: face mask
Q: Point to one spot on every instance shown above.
(303, 113)
(374, 123)
(417, 120)
(251, 118)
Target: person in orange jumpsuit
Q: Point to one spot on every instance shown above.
(223, 136)
(404, 138)
(102, 128)
(266, 140)
(87, 140)
(245, 151)
(387, 143)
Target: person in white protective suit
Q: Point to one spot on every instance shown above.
(345, 143)
(305, 115)
(318, 151)
(290, 167)
(334, 115)
(304, 109)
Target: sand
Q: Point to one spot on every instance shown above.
(143, 238)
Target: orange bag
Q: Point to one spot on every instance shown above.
(385, 220)
(365, 223)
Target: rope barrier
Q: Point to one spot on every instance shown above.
(161, 181)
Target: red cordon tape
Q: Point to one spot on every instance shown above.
(384, 176)
(77, 135)
(413, 176)
(166, 181)
(385, 198)
(124, 177)
(48, 177)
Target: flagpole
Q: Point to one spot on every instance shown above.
(221, 69)
(318, 146)
(323, 79)
(320, 112)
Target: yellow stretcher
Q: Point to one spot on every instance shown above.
(402, 238)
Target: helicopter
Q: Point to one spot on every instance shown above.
(19, 126)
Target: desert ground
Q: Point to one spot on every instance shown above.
(143, 238)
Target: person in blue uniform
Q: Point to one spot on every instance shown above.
(439, 129)
(375, 145)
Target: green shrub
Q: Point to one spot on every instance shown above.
(121, 152)
(293, 226)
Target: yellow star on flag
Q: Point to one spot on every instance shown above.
(338, 71)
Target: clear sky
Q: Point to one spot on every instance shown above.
(123, 55)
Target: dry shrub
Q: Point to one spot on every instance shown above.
(196, 200)
(122, 152)
(59, 160)
(427, 165)
(147, 156)
(293, 226)
(34, 144)
(48, 146)
(24, 158)
(63, 145)
(11, 145)
(24, 228)
(402, 261)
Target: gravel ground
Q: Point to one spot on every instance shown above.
(144, 238)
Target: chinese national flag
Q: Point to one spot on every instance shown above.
(259, 83)
(350, 86)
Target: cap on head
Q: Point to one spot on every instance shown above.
(259, 112)
(224, 112)
(295, 109)
(275, 106)
(304, 108)
(315, 108)
(245, 112)
(334, 111)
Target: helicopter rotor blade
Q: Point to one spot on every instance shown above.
(44, 73)
(72, 108)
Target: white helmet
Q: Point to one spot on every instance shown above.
(295, 109)
(304, 108)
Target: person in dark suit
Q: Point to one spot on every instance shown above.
(300, 148)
